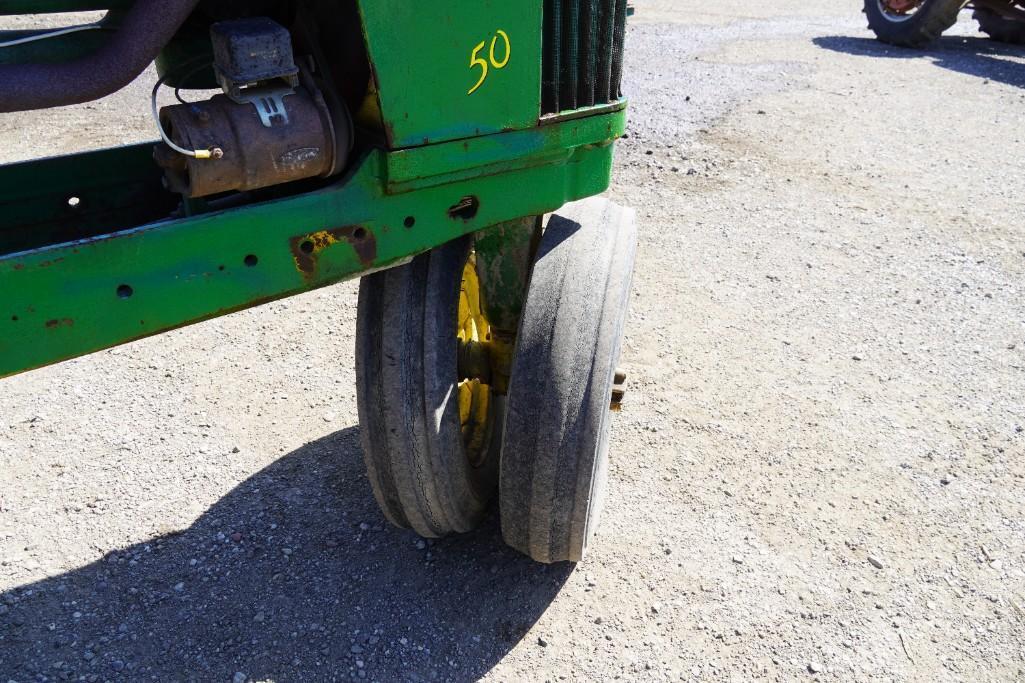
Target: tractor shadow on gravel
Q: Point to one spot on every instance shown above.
(294, 575)
(979, 57)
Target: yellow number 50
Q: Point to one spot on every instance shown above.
(477, 60)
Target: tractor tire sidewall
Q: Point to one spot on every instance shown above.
(611, 333)
(1000, 29)
(555, 447)
(407, 397)
(918, 30)
(469, 488)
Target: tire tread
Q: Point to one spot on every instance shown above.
(567, 347)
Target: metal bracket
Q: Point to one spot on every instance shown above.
(269, 101)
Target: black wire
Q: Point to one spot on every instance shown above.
(185, 79)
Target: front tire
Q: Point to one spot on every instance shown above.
(912, 25)
(430, 436)
(555, 448)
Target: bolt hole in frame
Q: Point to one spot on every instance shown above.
(409, 222)
(560, 160)
(251, 260)
(125, 291)
(465, 209)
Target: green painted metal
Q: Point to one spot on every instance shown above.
(84, 195)
(504, 259)
(505, 255)
(88, 258)
(434, 164)
(80, 196)
(65, 300)
(421, 54)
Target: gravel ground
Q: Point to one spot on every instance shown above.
(818, 473)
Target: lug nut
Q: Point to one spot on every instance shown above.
(618, 390)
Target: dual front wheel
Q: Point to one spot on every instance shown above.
(442, 432)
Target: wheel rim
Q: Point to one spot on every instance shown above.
(473, 333)
(899, 10)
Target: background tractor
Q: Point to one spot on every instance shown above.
(916, 23)
(422, 146)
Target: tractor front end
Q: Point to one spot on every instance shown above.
(417, 145)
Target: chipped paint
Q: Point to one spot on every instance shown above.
(169, 259)
(306, 249)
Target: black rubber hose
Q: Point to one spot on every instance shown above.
(145, 30)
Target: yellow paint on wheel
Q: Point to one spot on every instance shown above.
(474, 395)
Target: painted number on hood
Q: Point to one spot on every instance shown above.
(485, 65)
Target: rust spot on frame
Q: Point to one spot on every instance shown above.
(306, 248)
(59, 322)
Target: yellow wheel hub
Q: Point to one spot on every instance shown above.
(473, 329)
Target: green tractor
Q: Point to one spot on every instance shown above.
(916, 23)
(443, 152)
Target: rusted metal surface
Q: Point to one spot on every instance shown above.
(302, 142)
(148, 27)
(306, 249)
(164, 271)
(618, 390)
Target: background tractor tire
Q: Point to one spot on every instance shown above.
(407, 395)
(917, 29)
(1000, 28)
(556, 441)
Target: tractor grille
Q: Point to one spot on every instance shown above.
(583, 53)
